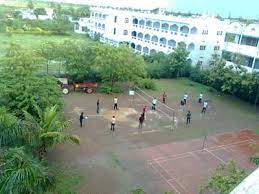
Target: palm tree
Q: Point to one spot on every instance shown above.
(20, 173)
(48, 130)
(11, 131)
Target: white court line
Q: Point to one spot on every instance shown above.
(167, 181)
(174, 158)
(216, 156)
(210, 148)
(143, 132)
(167, 172)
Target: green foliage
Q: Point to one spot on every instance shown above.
(108, 89)
(138, 190)
(22, 89)
(255, 159)
(39, 11)
(146, 84)
(173, 65)
(30, 5)
(21, 173)
(225, 179)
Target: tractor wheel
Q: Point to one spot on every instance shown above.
(89, 90)
(65, 91)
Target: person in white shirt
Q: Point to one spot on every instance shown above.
(115, 103)
(205, 106)
(154, 101)
(113, 123)
(185, 96)
(200, 97)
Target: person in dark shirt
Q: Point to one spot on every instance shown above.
(188, 117)
(141, 121)
(81, 118)
(98, 106)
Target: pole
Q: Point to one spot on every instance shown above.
(204, 140)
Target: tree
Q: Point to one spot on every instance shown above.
(12, 132)
(30, 5)
(78, 60)
(48, 130)
(39, 11)
(178, 64)
(117, 64)
(21, 86)
(20, 173)
(83, 11)
(225, 179)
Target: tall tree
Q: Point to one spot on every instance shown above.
(30, 5)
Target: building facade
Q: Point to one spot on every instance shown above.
(149, 31)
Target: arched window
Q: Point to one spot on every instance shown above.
(100, 15)
(140, 35)
(163, 41)
(182, 45)
(134, 33)
(145, 50)
(141, 22)
(174, 28)
(99, 25)
(135, 21)
(149, 23)
(156, 25)
(147, 37)
(184, 29)
(103, 26)
(139, 48)
(191, 47)
(96, 15)
(154, 38)
(194, 30)
(125, 32)
(152, 51)
(133, 45)
(165, 26)
(172, 43)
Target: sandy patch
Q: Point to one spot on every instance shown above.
(120, 115)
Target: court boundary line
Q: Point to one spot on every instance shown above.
(214, 148)
(159, 160)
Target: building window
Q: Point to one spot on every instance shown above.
(114, 30)
(219, 33)
(205, 32)
(85, 29)
(216, 48)
(126, 20)
(125, 32)
(115, 19)
(202, 48)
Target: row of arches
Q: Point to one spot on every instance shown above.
(163, 41)
(165, 26)
(145, 49)
(99, 25)
(98, 15)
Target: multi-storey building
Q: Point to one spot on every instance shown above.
(152, 31)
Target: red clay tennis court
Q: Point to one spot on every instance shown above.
(184, 166)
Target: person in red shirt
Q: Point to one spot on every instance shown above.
(144, 110)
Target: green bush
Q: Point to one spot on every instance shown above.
(255, 159)
(146, 84)
(108, 89)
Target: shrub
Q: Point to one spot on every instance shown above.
(146, 84)
(255, 159)
(108, 89)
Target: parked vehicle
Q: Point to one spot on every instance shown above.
(63, 82)
(87, 87)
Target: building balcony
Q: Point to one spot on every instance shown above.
(242, 49)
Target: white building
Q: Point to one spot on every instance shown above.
(29, 14)
(149, 31)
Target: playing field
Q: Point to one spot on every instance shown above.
(157, 158)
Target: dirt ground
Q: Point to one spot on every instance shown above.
(115, 163)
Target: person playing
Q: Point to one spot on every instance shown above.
(98, 106)
(81, 118)
(182, 102)
(200, 98)
(144, 110)
(188, 117)
(115, 103)
(185, 96)
(113, 123)
(164, 97)
(154, 101)
(205, 106)
(141, 121)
